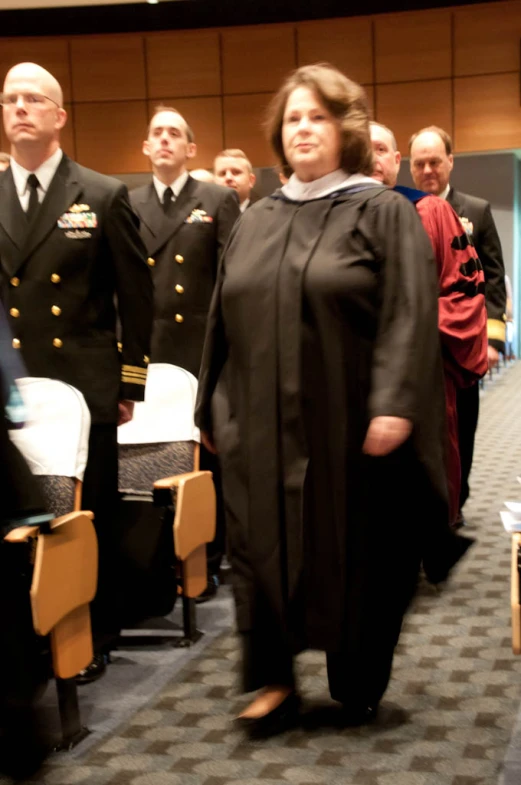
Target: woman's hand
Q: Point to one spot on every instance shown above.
(385, 434)
(207, 442)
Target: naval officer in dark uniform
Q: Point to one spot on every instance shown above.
(185, 224)
(69, 249)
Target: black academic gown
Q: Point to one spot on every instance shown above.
(325, 316)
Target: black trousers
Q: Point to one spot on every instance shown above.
(355, 678)
(215, 550)
(100, 494)
(467, 405)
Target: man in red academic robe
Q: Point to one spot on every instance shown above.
(462, 312)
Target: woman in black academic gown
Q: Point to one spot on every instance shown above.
(321, 390)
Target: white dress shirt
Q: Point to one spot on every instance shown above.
(44, 173)
(445, 192)
(244, 205)
(177, 186)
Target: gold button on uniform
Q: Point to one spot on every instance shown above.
(179, 259)
(146, 359)
(151, 262)
(57, 342)
(15, 281)
(179, 319)
(16, 343)
(179, 289)
(55, 278)
(56, 310)
(15, 313)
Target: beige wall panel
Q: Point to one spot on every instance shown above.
(243, 118)
(405, 108)
(413, 46)
(256, 59)
(108, 68)
(487, 113)
(204, 115)
(370, 93)
(109, 136)
(486, 40)
(50, 53)
(345, 43)
(183, 64)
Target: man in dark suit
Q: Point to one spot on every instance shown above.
(185, 225)
(70, 247)
(431, 162)
(233, 169)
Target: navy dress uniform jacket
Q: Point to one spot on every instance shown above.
(184, 250)
(68, 277)
(486, 240)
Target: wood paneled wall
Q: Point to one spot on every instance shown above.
(457, 67)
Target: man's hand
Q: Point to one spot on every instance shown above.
(125, 411)
(207, 442)
(385, 434)
(493, 357)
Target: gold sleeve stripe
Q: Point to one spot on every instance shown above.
(496, 330)
(134, 369)
(134, 375)
(132, 380)
(140, 377)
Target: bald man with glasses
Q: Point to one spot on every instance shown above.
(70, 249)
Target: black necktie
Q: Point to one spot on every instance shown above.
(32, 185)
(167, 200)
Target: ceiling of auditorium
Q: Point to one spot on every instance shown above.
(17, 5)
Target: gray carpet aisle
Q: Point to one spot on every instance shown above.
(450, 716)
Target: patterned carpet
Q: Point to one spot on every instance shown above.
(450, 716)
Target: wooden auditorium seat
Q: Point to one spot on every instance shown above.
(65, 553)
(162, 442)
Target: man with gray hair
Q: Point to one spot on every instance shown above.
(462, 316)
(431, 162)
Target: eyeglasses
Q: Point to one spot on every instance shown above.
(28, 99)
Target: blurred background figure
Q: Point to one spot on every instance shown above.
(328, 421)
(510, 325)
(24, 657)
(233, 169)
(5, 160)
(203, 175)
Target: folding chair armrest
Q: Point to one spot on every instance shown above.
(166, 489)
(175, 481)
(22, 534)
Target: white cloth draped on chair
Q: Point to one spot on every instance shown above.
(55, 438)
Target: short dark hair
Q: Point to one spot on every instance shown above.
(434, 129)
(160, 108)
(343, 98)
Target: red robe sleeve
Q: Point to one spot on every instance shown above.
(462, 312)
